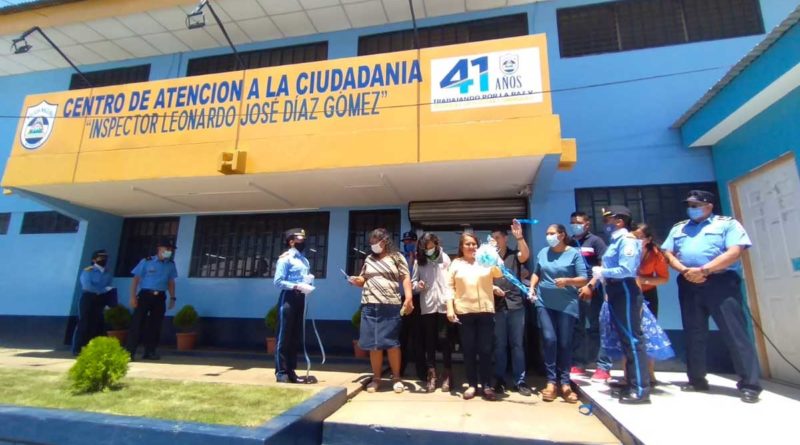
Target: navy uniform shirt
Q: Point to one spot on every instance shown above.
(695, 244)
(155, 274)
(592, 248)
(623, 256)
(96, 279)
(291, 269)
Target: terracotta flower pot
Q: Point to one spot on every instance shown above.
(186, 340)
(121, 336)
(358, 352)
(271, 342)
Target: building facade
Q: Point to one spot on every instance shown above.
(427, 149)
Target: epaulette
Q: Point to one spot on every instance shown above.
(284, 254)
(681, 222)
(87, 269)
(723, 218)
(631, 236)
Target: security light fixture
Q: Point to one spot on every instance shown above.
(196, 19)
(21, 46)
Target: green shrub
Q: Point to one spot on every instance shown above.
(118, 317)
(356, 320)
(100, 366)
(271, 319)
(185, 319)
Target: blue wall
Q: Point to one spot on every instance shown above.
(623, 139)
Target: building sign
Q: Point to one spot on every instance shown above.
(486, 80)
(37, 125)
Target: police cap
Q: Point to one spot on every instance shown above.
(166, 242)
(701, 196)
(99, 253)
(291, 234)
(617, 211)
(409, 236)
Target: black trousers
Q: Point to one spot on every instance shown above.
(720, 296)
(411, 332)
(291, 305)
(477, 344)
(90, 320)
(625, 302)
(432, 325)
(146, 322)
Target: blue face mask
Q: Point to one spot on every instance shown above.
(694, 213)
(610, 228)
(408, 248)
(577, 229)
(552, 240)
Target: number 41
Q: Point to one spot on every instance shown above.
(459, 75)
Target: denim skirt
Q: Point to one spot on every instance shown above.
(380, 327)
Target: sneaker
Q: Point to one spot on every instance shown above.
(524, 390)
(577, 370)
(600, 375)
(499, 387)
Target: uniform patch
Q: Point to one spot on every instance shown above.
(629, 251)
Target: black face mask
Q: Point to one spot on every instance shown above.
(300, 247)
(102, 262)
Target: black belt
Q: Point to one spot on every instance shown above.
(619, 280)
(154, 292)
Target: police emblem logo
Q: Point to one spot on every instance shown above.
(509, 64)
(38, 125)
(629, 251)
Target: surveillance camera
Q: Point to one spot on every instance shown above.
(524, 191)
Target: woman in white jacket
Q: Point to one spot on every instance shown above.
(429, 278)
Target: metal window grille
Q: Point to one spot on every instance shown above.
(248, 246)
(4, 220)
(361, 224)
(660, 206)
(464, 32)
(115, 76)
(261, 58)
(635, 24)
(139, 238)
(47, 222)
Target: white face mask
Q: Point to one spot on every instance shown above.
(430, 252)
(376, 248)
(552, 240)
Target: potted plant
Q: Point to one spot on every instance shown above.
(184, 321)
(356, 320)
(271, 321)
(119, 319)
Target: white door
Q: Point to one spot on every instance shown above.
(769, 201)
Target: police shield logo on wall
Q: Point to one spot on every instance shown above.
(38, 125)
(486, 80)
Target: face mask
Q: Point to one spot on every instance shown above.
(167, 254)
(552, 240)
(430, 252)
(409, 248)
(300, 247)
(102, 262)
(694, 212)
(611, 228)
(376, 248)
(578, 229)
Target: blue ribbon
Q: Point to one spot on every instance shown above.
(586, 409)
(319, 340)
(528, 221)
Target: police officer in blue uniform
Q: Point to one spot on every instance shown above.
(705, 250)
(153, 277)
(96, 289)
(620, 266)
(293, 279)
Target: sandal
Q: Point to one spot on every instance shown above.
(372, 386)
(398, 387)
(568, 395)
(446, 381)
(469, 393)
(549, 392)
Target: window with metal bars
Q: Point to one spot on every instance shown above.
(47, 222)
(4, 220)
(450, 34)
(635, 24)
(248, 246)
(114, 76)
(362, 222)
(660, 206)
(139, 239)
(261, 58)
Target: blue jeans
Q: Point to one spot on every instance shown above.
(476, 343)
(557, 329)
(586, 345)
(509, 330)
